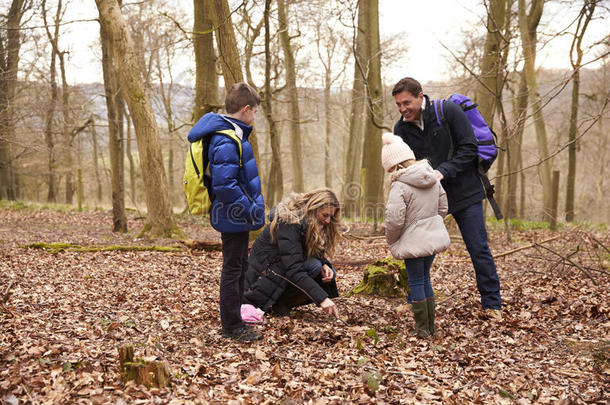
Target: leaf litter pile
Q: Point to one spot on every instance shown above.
(65, 313)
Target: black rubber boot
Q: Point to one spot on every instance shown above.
(420, 311)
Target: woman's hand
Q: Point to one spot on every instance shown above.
(329, 307)
(327, 274)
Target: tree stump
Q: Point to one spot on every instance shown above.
(147, 373)
(386, 277)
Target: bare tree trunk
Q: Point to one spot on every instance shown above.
(528, 23)
(491, 83)
(160, 221)
(9, 66)
(352, 188)
(50, 112)
(68, 137)
(96, 169)
(328, 170)
(166, 98)
(132, 166)
(373, 176)
(585, 17)
(513, 148)
(229, 54)
(293, 97)
(206, 80)
(275, 185)
(115, 122)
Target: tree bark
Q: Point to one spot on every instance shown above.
(9, 66)
(50, 112)
(491, 83)
(115, 123)
(68, 136)
(576, 54)
(206, 80)
(132, 166)
(373, 172)
(160, 220)
(98, 180)
(293, 97)
(513, 149)
(275, 185)
(229, 54)
(352, 187)
(528, 23)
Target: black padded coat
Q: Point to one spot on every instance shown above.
(270, 265)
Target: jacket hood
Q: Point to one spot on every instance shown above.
(420, 175)
(212, 122)
(286, 213)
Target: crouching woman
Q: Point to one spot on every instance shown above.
(288, 264)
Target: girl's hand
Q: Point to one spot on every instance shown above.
(327, 274)
(329, 307)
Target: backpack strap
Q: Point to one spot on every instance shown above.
(489, 193)
(442, 121)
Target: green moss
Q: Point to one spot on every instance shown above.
(60, 247)
(386, 277)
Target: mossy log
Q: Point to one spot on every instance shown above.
(386, 277)
(148, 373)
(60, 247)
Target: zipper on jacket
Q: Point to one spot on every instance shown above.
(245, 192)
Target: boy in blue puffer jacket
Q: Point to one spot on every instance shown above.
(237, 203)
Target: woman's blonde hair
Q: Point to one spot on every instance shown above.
(320, 240)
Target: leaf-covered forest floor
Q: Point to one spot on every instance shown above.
(67, 313)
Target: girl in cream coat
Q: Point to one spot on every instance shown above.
(414, 224)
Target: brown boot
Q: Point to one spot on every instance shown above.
(420, 312)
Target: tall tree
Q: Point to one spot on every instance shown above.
(576, 54)
(49, 125)
(114, 106)
(10, 44)
(328, 46)
(528, 25)
(352, 187)
(160, 220)
(275, 185)
(491, 82)
(206, 80)
(293, 98)
(228, 54)
(373, 176)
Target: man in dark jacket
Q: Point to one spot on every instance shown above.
(458, 174)
(237, 205)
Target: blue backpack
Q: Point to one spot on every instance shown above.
(486, 141)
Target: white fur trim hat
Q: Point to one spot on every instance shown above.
(394, 151)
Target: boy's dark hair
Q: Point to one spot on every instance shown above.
(409, 84)
(239, 96)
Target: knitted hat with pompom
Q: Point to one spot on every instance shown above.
(394, 151)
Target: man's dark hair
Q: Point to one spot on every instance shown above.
(239, 96)
(409, 84)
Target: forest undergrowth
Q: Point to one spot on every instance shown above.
(65, 312)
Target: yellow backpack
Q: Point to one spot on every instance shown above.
(197, 178)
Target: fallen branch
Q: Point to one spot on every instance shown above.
(202, 245)
(61, 247)
(567, 259)
(531, 245)
(334, 364)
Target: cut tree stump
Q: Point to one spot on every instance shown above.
(148, 373)
(386, 277)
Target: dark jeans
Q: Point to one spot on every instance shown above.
(418, 270)
(234, 266)
(293, 296)
(472, 226)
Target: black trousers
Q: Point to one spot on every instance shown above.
(234, 266)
